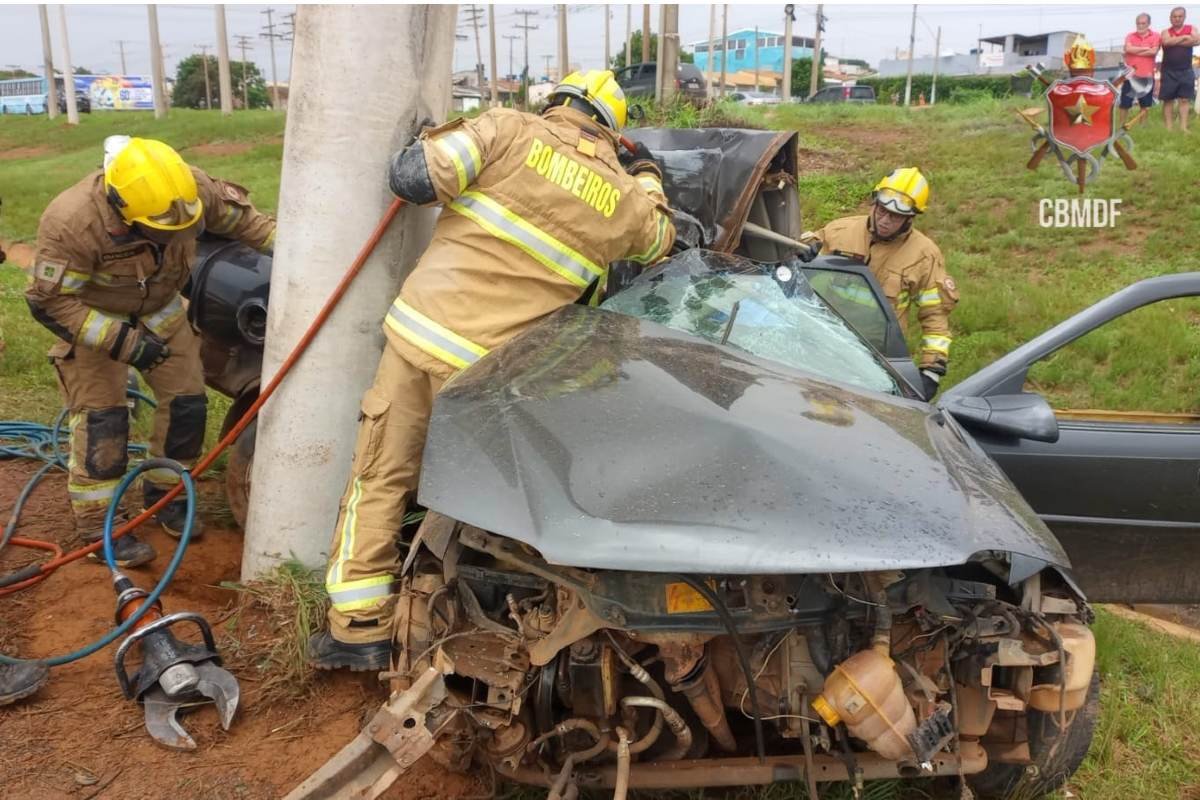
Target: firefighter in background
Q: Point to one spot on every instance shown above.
(535, 208)
(907, 264)
(113, 252)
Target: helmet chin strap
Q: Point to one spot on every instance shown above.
(903, 229)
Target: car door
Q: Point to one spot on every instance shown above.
(1119, 488)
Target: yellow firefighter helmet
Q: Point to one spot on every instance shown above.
(599, 89)
(905, 191)
(150, 184)
(1081, 54)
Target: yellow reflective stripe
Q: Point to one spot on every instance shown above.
(653, 253)
(161, 320)
(103, 278)
(436, 340)
(269, 244)
(650, 183)
(539, 245)
(229, 221)
(938, 344)
(95, 327)
(73, 282)
(929, 297)
(92, 493)
(353, 595)
(461, 150)
(348, 529)
(161, 476)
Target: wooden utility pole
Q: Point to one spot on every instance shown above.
(245, 43)
(712, 53)
(628, 34)
(207, 84)
(564, 58)
(121, 49)
(756, 41)
(512, 72)
(270, 37)
(156, 65)
(48, 64)
(475, 13)
(788, 17)
(492, 59)
(224, 78)
(645, 33)
(814, 81)
(526, 27)
(912, 43)
(668, 50)
(724, 44)
(937, 56)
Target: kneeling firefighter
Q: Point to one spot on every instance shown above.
(536, 207)
(113, 253)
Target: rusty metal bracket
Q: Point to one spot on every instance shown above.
(405, 728)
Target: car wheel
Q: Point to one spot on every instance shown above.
(1054, 761)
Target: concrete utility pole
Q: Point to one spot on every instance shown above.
(270, 37)
(756, 43)
(564, 58)
(668, 50)
(207, 84)
(607, 41)
(224, 78)
(912, 43)
(511, 68)
(815, 78)
(712, 53)
(48, 64)
(156, 65)
(645, 33)
(121, 49)
(306, 433)
(724, 45)
(526, 27)
(549, 56)
(475, 13)
(658, 61)
(628, 34)
(245, 43)
(788, 18)
(937, 56)
(68, 71)
(492, 37)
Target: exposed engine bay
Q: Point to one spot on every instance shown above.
(578, 679)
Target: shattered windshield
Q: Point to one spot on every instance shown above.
(769, 310)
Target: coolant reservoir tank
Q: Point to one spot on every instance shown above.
(864, 691)
(1080, 647)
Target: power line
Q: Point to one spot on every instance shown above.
(245, 42)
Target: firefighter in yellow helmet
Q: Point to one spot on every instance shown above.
(535, 208)
(907, 264)
(113, 252)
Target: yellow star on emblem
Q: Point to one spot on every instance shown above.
(1081, 112)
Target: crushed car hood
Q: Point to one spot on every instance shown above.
(610, 442)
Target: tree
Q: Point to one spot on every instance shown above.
(6, 74)
(83, 71)
(189, 82)
(635, 47)
(802, 76)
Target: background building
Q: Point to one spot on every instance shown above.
(740, 49)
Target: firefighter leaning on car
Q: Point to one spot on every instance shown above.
(113, 253)
(535, 208)
(906, 262)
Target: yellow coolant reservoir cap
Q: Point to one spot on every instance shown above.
(826, 711)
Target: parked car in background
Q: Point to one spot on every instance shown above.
(752, 98)
(844, 94)
(83, 103)
(638, 80)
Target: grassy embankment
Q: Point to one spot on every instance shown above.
(1016, 279)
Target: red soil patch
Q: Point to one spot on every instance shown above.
(17, 153)
(221, 148)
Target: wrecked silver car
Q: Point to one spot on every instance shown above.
(704, 535)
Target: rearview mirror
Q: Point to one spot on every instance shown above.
(1026, 416)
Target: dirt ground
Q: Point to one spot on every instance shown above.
(78, 738)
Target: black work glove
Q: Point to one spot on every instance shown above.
(930, 381)
(639, 160)
(140, 349)
(809, 251)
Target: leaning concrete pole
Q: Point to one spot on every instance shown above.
(48, 64)
(332, 193)
(68, 70)
(224, 78)
(156, 66)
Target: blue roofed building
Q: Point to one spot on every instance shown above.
(740, 47)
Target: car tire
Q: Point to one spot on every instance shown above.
(1052, 766)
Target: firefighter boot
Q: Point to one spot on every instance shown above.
(20, 680)
(326, 652)
(174, 515)
(129, 550)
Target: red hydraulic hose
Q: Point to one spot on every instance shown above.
(229, 438)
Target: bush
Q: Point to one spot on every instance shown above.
(950, 86)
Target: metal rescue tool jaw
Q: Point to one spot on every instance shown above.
(173, 675)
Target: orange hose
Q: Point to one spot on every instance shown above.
(229, 438)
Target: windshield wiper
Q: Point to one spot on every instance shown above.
(732, 318)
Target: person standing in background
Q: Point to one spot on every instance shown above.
(1141, 47)
(1178, 88)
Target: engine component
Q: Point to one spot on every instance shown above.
(683, 734)
(865, 692)
(1069, 693)
(934, 733)
(703, 692)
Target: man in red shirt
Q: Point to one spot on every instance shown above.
(1178, 88)
(1141, 47)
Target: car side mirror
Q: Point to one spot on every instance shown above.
(1026, 416)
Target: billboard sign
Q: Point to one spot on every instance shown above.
(117, 92)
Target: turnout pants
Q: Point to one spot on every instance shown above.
(93, 389)
(363, 557)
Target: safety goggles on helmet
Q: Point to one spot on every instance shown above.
(180, 214)
(896, 201)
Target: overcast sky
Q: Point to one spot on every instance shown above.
(870, 32)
